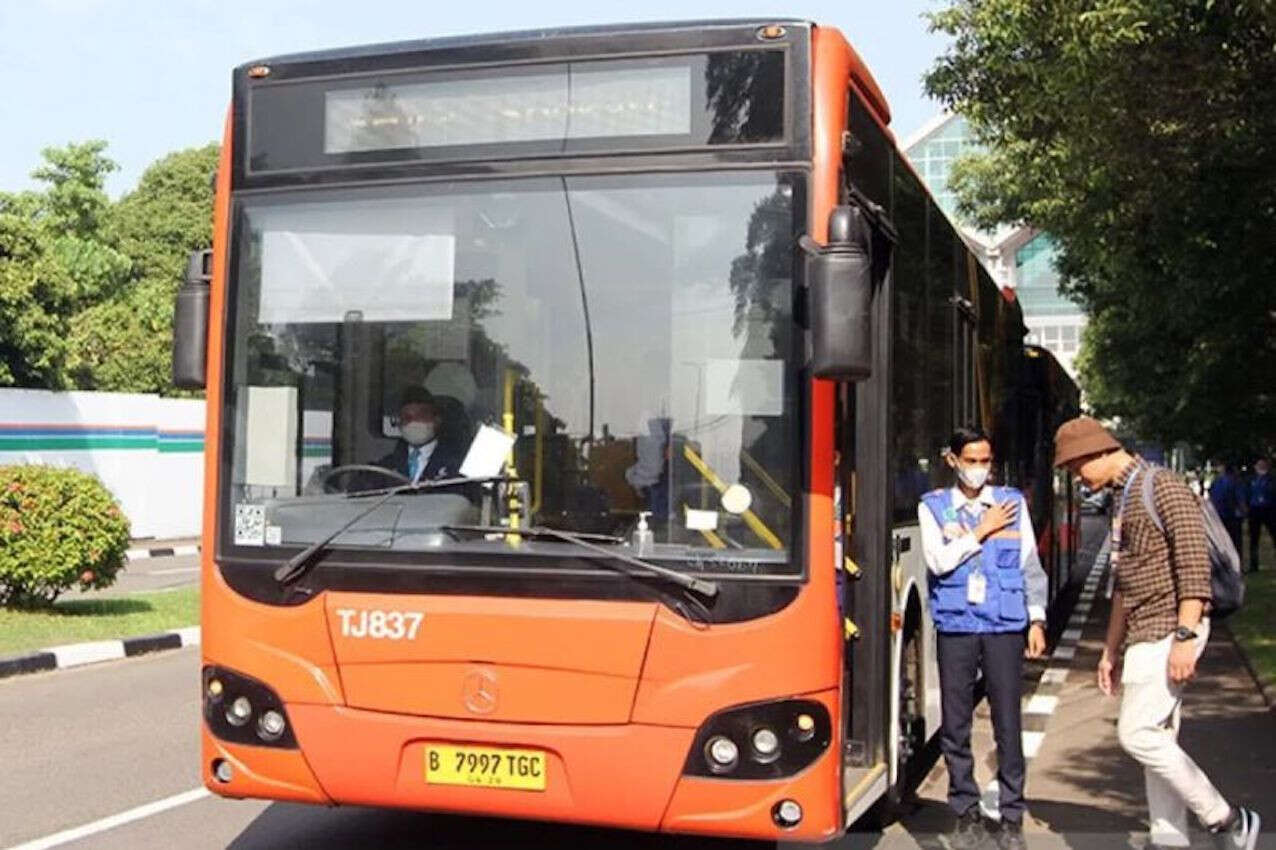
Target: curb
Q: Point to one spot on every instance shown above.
(93, 652)
(161, 552)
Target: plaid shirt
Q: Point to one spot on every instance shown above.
(1154, 570)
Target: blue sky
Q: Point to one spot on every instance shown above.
(152, 76)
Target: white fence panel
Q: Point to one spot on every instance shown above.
(146, 449)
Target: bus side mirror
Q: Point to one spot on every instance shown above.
(840, 285)
(190, 323)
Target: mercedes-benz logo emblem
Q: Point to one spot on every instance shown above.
(478, 691)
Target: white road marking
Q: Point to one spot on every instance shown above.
(172, 571)
(66, 836)
(1071, 635)
(1055, 676)
(1041, 704)
(1065, 653)
(1032, 742)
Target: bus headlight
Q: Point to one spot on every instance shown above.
(765, 740)
(766, 745)
(233, 701)
(271, 725)
(723, 754)
(240, 711)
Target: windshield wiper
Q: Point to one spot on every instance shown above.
(298, 565)
(707, 589)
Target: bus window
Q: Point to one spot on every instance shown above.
(633, 333)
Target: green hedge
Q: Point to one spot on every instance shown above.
(59, 528)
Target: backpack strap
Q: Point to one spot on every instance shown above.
(1149, 503)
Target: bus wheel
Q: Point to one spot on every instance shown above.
(911, 731)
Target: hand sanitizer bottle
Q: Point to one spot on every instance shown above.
(643, 539)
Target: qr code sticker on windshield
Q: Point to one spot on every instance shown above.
(250, 525)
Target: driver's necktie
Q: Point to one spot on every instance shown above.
(414, 463)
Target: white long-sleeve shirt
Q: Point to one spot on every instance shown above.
(943, 557)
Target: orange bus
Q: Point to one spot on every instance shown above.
(569, 398)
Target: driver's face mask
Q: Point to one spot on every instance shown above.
(417, 433)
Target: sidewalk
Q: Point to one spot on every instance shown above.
(1082, 781)
(1083, 790)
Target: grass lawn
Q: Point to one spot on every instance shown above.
(1255, 624)
(75, 620)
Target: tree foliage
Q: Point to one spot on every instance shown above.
(1141, 134)
(124, 342)
(87, 285)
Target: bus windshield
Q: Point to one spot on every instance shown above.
(632, 335)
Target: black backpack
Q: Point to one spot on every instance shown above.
(1227, 586)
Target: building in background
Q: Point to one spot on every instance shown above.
(1021, 258)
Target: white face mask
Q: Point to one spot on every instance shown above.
(417, 433)
(973, 477)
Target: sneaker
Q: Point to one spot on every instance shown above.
(1243, 832)
(969, 833)
(1011, 836)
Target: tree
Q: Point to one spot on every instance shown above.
(168, 215)
(53, 262)
(124, 342)
(1141, 134)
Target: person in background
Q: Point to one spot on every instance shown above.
(1262, 509)
(987, 587)
(1160, 615)
(1227, 494)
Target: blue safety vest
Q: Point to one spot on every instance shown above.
(1260, 492)
(1004, 608)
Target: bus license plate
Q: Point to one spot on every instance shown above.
(485, 767)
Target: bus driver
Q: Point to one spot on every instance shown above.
(419, 454)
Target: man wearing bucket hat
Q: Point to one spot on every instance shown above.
(1159, 613)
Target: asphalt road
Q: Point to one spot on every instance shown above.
(143, 574)
(81, 745)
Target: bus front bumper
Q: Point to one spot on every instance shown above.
(625, 776)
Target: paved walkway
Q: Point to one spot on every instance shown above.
(1083, 790)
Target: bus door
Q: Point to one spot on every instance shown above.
(862, 436)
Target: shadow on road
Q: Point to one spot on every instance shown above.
(290, 825)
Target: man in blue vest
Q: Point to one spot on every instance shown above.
(1227, 494)
(1262, 508)
(986, 588)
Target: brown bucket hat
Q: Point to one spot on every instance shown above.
(1081, 437)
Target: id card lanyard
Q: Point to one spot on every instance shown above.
(976, 582)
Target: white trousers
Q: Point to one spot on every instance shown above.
(1148, 730)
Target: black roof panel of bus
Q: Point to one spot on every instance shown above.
(523, 38)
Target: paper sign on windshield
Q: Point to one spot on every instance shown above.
(391, 263)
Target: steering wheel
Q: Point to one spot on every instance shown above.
(350, 468)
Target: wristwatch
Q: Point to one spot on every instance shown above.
(1183, 633)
